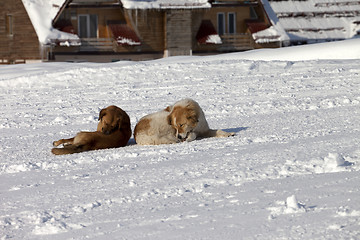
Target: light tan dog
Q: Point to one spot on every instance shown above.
(113, 130)
(183, 121)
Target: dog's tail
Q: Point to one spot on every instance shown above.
(68, 149)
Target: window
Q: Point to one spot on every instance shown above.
(231, 23)
(88, 26)
(9, 25)
(221, 23)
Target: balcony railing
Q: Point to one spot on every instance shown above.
(96, 45)
(230, 42)
(236, 42)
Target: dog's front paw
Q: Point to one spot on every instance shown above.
(191, 137)
(230, 134)
(56, 143)
(221, 133)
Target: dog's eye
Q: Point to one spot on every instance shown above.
(181, 125)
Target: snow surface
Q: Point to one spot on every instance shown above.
(290, 172)
(165, 4)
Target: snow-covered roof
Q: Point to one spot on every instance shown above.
(41, 14)
(313, 20)
(165, 4)
(275, 33)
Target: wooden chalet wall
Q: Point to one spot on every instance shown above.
(241, 39)
(103, 16)
(162, 32)
(23, 43)
(178, 36)
(149, 26)
(242, 13)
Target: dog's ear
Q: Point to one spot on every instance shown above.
(102, 113)
(119, 119)
(193, 116)
(167, 109)
(193, 119)
(118, 123)
(123, 120)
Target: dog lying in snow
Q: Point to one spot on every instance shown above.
(183, 121)
(113, 131)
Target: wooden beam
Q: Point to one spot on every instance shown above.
(60, 11)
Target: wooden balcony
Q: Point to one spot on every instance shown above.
(97, 45)
(230, 43)
(236, 42)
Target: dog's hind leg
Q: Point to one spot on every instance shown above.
(68, 149)
(218, 133)
(63, 141)
(221, 133)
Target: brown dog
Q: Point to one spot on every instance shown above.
(113, 130)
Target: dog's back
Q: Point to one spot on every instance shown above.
(154, 129)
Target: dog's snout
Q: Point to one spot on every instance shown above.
(179, 137)
(104, 131)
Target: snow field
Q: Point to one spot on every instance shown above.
(291, 170)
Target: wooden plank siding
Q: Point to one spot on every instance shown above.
(162, 32)
(167, 32)
(23, 43)
(149, 26)
(178, 35)
(103, 16)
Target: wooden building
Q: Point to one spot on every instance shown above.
(111, 30)
(18, 39)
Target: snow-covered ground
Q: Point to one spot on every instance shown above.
(290, 172)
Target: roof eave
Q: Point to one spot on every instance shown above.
(60, 11)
